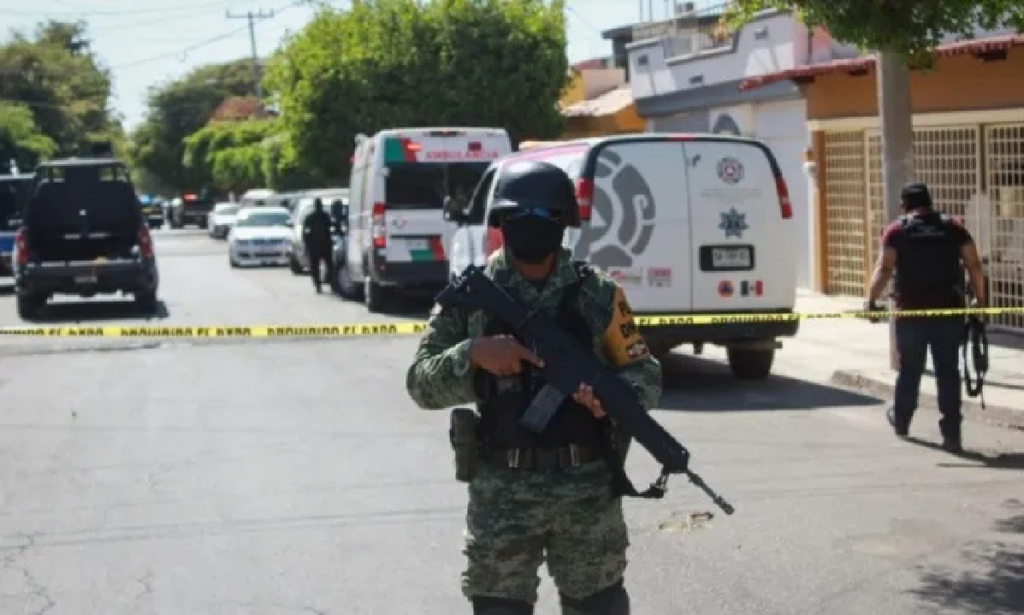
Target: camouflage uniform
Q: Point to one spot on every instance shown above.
(514, 517)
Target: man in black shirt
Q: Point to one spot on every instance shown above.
(925, 249)
(316, 235)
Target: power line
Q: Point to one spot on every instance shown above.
(251, 18)
(183, 52)
(180, 53)
(149, 21)
(92, 13)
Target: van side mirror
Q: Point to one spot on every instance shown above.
(453, 210)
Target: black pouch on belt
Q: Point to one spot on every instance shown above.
(464, 442)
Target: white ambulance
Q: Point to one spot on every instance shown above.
(686, 223)
(399, 183)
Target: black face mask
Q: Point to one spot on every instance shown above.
(531, 239)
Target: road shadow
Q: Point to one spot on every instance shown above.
(974, 459)
(399, 306)
(991, 581)
(692, 383)
(97, 311)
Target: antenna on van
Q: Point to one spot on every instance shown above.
(360, 138)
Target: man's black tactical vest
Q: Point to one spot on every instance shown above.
(928, 273)
(504, 399)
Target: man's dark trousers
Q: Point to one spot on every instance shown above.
(315, 257)
(914, 337)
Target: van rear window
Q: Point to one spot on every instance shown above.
(569, 159)
(417, 185)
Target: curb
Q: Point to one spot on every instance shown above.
(1001, 416)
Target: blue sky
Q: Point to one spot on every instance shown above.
(146, 43)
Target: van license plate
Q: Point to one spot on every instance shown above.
(85, 279)
(416, 244)
(729, 258)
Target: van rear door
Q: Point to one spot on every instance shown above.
(639, 228)
(743, 241)
(421, 170)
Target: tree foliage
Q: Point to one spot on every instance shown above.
(21, 140)
(176, 110)
(231, 153)
(392, 63)
(56, 95)
(911, 28)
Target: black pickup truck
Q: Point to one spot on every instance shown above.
(83, 233)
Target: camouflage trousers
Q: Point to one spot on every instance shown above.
(517, 520)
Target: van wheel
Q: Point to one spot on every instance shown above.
(293, 263)
(751, 363)
(374, 296)
(29, 306)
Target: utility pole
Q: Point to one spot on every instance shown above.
(894, 107)
(252, 17)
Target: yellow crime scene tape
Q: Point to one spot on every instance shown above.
(417, 328)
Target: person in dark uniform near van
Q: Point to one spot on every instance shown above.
(316, 236)
(926, 249)
(538, 497)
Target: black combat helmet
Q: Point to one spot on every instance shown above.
(532, 184)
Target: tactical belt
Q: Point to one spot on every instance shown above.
(541, 459)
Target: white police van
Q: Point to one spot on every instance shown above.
(686, 223)
(396, 229)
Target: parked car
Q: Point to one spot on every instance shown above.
(83, 234)
(298, 259)
(222, 218)
(260, 236)
(337, 255)
(14, 191)
(191, 209)
(153, 212)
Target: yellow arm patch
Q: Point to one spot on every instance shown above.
(622, 340)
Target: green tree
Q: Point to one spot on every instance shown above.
(403, 62)
(20, 138)
(911, 28)
(232, 154)
(176, 110)
(55, 74)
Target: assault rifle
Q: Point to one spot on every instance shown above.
(567, 365)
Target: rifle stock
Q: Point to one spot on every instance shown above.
(567, 365)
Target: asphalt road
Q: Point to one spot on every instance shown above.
(287, 477)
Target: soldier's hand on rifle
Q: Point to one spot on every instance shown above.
(501, 355)
(585, 397)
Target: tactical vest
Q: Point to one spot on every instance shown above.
(928, 272)
(504, 399)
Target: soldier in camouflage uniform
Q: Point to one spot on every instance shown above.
(538, 497)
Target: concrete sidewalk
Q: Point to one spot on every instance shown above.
(854, 354)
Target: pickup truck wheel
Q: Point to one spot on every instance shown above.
(751, 363)
(29, 306)
(374, 296)
(146, 301)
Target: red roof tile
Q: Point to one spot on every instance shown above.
(958, 48)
